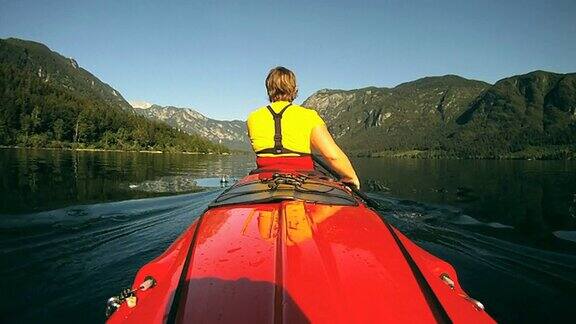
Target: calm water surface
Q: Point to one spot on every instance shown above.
(75, 226)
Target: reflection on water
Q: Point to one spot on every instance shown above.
(167, 184)
(74, 229)
(35, 180)
(537, 198)
(181, 184)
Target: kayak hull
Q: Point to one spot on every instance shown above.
(296, 262)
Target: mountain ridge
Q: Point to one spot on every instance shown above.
(231, 133)
(432, 116)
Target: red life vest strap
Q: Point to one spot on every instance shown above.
(285, 163)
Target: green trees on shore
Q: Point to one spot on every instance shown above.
(38, 113)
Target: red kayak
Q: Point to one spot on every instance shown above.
(294, 248)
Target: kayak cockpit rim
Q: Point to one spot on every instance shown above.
(314, 188)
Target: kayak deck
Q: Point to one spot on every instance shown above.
(293, 261)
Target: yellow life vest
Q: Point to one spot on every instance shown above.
(282, 129)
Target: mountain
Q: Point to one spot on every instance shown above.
(47, 99)
(410, 115)
(140, 104)
(529, 115)
(57, 70)
(537, 109)
(232, 134)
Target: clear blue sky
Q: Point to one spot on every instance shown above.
(214, 55)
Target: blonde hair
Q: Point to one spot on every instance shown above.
(281, 85)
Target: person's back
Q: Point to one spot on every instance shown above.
(297, 124)
(283, 134)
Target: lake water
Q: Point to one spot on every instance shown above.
(76, 226)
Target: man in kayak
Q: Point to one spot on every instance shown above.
(284, 134)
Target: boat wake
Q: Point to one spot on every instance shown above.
(61, 265)
(516, 280)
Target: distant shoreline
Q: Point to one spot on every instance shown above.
(106, 150)
(563, 153)
(551, 153)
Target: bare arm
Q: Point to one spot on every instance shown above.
(322, 141)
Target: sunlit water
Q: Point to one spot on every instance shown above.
(75, 227)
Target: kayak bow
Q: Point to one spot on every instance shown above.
(294, 247)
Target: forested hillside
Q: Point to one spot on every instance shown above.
(231, 133)
(527, 116)
(47, 100)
